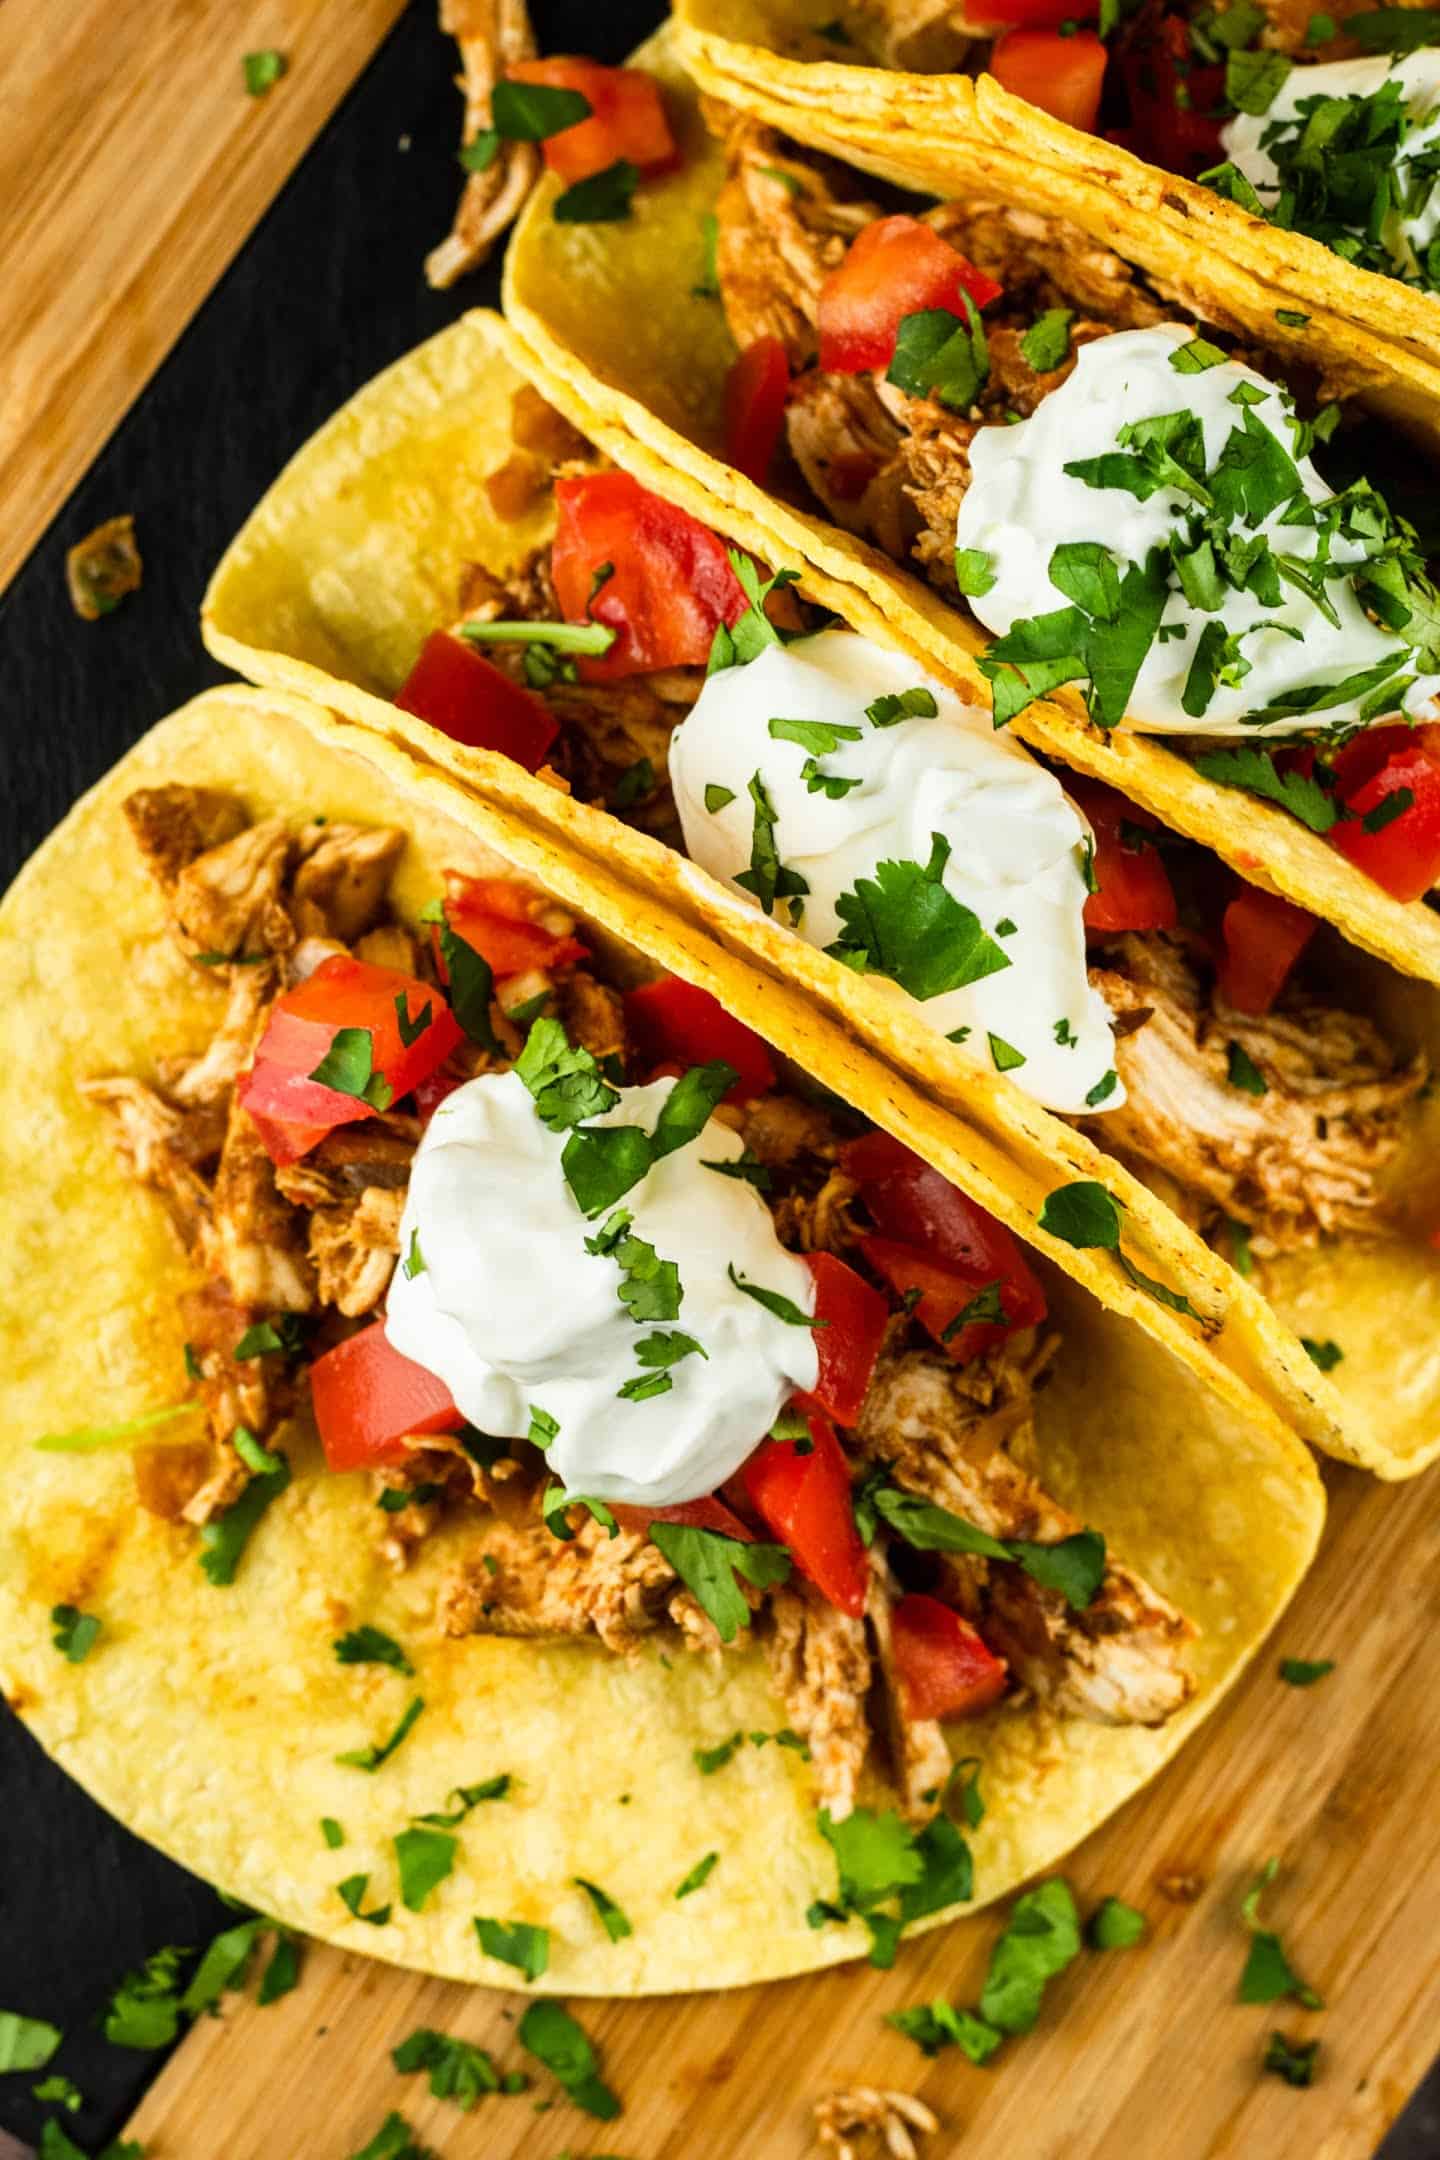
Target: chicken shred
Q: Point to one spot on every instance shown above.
(255, 1238)
(354, 1249)
(492, 35)
(227, 901)
(339, 889)
(172, 825)
(820, 1663)
(892, 2117)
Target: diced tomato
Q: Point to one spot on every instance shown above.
(493, 915)
(918, 1213)
(1264, 936)
(1029, 14)
(755, 393)
(804, 1500)
(431, 1092)
(1135, 890)
(1062, 75)
(706, 1514)
(1404, 854)
(895, 267)
(342, 993)
(627, 117)
(944, 1667)
(463, 694)
(678, 1024)
(671, 583)
(1176, 107)
(850, 1322)
(367, 1397)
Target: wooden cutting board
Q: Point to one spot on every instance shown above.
(132, 166)
(1145, 2051)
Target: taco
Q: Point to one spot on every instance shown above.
(364, 1115)
(1296, 143)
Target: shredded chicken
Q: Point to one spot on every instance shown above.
(227, 901)
(354, 1249)
(256, 1238)
(780, 1129)
(892, 2117)
(617, 1588)
(156, 1144)
(821, 1667)
(344, 875)
(207, 1080)
(919, 1757)
(492, 35)
(1118, 1661)
(818, 1222)
(172, 825)
(592, 1015)
(1305, 1157)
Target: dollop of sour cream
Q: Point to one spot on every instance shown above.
(1017, 844)
(1021, 504)
(509, 1309)
(1404, 236)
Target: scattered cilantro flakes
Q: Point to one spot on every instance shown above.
(938, 2025)
(614, 1922)
(282, 1973)
(1103, 1089)
(974, 573)
(458, 2070)
(603, 198)
(937, 355)
(413, 1263)
(1041, 1937)
(708, 1564)
(144, 2011)
(1074, 1566)
(717, 797)
(368, 1646)
(986, 1306)
(767, 878)
(1326, 1355)
(224, 1539)
(563, 1078)
(634, 785)
(393, 2141)
(1293, 2060)
(465, 1797)
(262, 70)
(707, 285)
(775, 1302)
(224, 1965)
(517, 1943)
(57, 2091)
(424, 1858)
(351, 1893)
(709, 1760)
(75, 1632)
(1242, 1072)
(1003, 1055)
(552, 2036)
(284, 1335)
(1195, 356)
(1304, 1672)
(470, 982)
(26, 2043)
(1268, 1974)
(735, 644)
(532, 112)
(1083, 1213)
(875, 1855)
(1253, 80)
(348, 1068)
(698, 1875)
(1046, 344)
(1291, 318)
(892, 707)
(374, 1754)
(1114, 1925)
(1254, 770)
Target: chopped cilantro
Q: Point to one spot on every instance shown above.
(1114, 1925)
(224, 1539)
(1389, 807)
(411, 1029)
(708, 1562)
(1253, 80)
(58, 2091)
(392, 2141)
(735, 644)
(698, 1875)
(1291, 318)
(1103, 1089)
(552, 2036)
(458, 2070)
(75, 1633)
(614, 1922)
(1327, 1355)
(893, 706)
(413, 1263)
(775, 1302)
(1304, 1672)
(904, 923)
(634, 785)
(717, 797)
(465, 1797)
(368, 1646)
(604, 198)
(564, 1079)
(1084, 1214)
(709, 1760)
(471, 985)
(262, 70)
(1046, 344)
(144, 2011)
(1195, 356)
(938, 2025)
(1074, 1566)
(1041, 1937)
(424, 1858)
(531, 112)
(974, 573)
(1293, 2060)
(517, 1943)
(26, 2043)
(747, 1167)
(348, 1067)
(984, 1306)
(1254, 770)
(332, 1833)
(375, 1753)
(767, 878)
(1268, 1974)
(1242, 1072)
(91, 1439)
(819, 737)
(707, 285)
(1003, 1055)
(1066, 1036)
(264, 1337)
(938, 356)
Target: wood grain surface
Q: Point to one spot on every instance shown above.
(1144, 2052)
(128, 145)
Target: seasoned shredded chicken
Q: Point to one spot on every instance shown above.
(492, 35)
(617, 1588)
(820, 1664)
(226, 902)
(1304, 1158)
(875, 2114)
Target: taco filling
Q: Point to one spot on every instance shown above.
(679, 1352)
(1323, 122)
(994, 399)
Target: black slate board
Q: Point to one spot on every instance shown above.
(326, 292)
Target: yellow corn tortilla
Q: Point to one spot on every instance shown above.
(944, 128)
(207, 1719)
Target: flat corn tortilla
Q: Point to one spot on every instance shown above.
(207, 1719)
(357, 552)
(931, 124)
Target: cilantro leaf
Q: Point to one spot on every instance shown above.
(552, 2036)
(819, 737)
(1304, 1672)
(392, 2141)
(26, 2043)
(875, 1856)
(465, 1797)
(775, 1302)
(1074, 1566)
(974, 573)
(1082, 1214)
(348, 1067)
(602, 198)
(368, 1646)
(614, 1922)
(1114, 1925)
(893, 706)
(458, 2070)
(224, 1539)
(1326, 1355)
(1046, 344)
(529, 112)
(937, 2025)
(905, 924)
(282, 1974)
(1253, 769)
(709, 1760)
(144, 2011)
(517, 1943)
(708, 1563)
(1242, 1072)
(471, 982)
(262, 70)
(698, 1876)
(1293, 2060)
(938, 356)
(564, 1079)
(1253, 80)
(424, 1858)
(767, 877)
(1041, 1937)
(1268, 1974)
(736, 644)
(371, 1756)
(75, 1633)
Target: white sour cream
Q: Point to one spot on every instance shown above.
(514, 1315)
(1021, 504)
(1418, 75)
(1016, 841)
